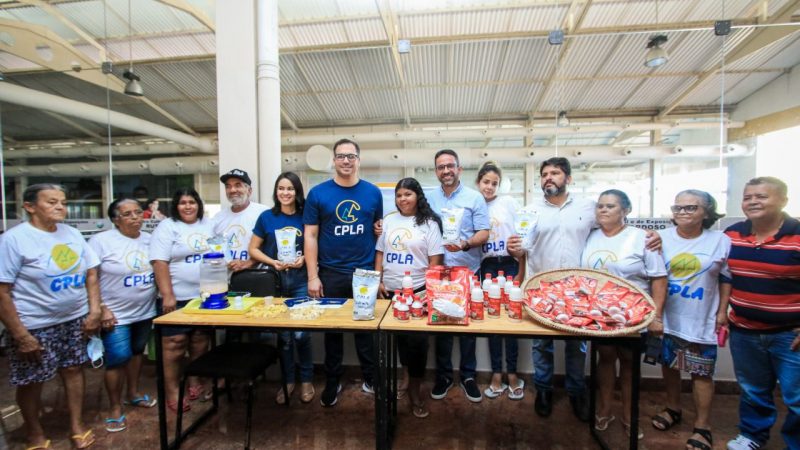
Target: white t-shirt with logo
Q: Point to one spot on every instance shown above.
(182, 245)
(694, 267)
(624, 255)
(502, 213)
(237, 229)
(127, 284)
(48, 273)
(407, 247)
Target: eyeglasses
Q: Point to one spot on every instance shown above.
(347, 156)
(677, 209)
(129, 214)
(442, 167)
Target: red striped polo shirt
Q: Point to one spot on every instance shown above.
(765, 292)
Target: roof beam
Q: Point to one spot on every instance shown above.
(76, 125)
(752, 44)
(41, 46)
(46, 7)
(390, 27)
(192, 11)
(289, 120)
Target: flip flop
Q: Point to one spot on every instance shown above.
(44, 446)
(493, 392)
(144, 401)
(84, 440)
(172, 405)
(518, 392)
(307, 395)
(601, 422)
(116, 425)
(420, 411)
(199, 392)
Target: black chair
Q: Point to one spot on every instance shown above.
(239, 361)
(236, 360)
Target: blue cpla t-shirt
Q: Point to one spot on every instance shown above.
(265, 228)
(345, 216)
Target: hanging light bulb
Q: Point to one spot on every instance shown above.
(656, 56)
(563, 120)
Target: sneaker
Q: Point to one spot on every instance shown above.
(440, 389)
(331, 393)
(743, 443)
(366, 387)
(471, 390)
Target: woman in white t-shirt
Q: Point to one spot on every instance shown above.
(176, 253)
(620, 250)
(49, 303)
(495, 258)
(695, 309)
(411, 242)
(128, 290)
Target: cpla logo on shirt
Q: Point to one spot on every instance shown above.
(683, 268)
(64, 261)
(346, 211)
(137, 261)
(197, 242)
(235, 236)
(600, 258)
(397, 238)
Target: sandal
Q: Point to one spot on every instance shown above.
(627, 427)
(420, 411)
(116, 425)
(84, 440)
(44, 446)
(601, 422)
(518, 392)
(307, 392)
(695, 444)
(199, 392)
(660, 421)
(401, 393)
(493, 392)
(173, 405)
(280, 398)
(144, 401)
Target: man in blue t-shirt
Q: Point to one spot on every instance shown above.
(339, 216)
(473, 233)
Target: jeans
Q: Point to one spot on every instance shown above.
(125, 341)
(575, 362)
(294, 283)
(338, 284)
(759, 360)
(509, 266)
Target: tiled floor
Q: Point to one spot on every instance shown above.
(454, 423)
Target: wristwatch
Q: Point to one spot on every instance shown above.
(465, 246)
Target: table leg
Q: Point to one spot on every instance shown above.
(636, 357)
(381, 406)
(161, 391)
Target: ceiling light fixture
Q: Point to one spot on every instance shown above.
(132, 87)
(563, 120)
(656, 56)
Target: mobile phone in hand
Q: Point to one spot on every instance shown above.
(722, 336)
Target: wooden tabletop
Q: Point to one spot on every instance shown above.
(501, 325)
(332, 318)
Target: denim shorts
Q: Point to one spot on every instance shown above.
(63, 345)
(690, 357)
(124, 342)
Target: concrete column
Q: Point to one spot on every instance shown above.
(236, 90)
(269, 98)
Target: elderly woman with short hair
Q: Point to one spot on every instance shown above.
(128, 291)
(49, 302)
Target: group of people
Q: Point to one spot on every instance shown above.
(56, 289)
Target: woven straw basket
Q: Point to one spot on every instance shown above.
(601, 277)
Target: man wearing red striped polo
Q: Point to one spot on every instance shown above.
(765, 313)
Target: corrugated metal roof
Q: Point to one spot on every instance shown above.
(709, 92)
(605, 94)
(342, 105)
(628, 58)
(326, 71)
(427, 102)
(36, 15)
(176, 46)
(382, 104)
(196, 79)
(587, 54)
(469, 100)
(427, 65)
(516, 98)
(654, 91)
(303, 108)
(372, 67)
(750, 84)
(476, 61)
(706, 10)
(788, 57)
(690, 51)
(764, 57)
(563, 95)
(291, 78)
(538, 18)
(28, 124)
(529, 59)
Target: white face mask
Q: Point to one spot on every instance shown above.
(95, 349)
